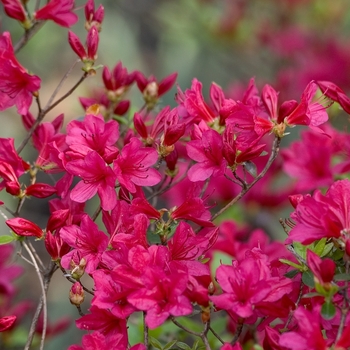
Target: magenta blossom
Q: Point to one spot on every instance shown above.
(97, 177)
(85, 240)
(16, 85)
(322, 216)
(208, 153)
(59, 11)
(132, 167)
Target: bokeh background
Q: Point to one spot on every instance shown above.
(285, 43)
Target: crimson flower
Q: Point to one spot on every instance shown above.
(321, 215)
(335, 93)
(132, 167)
(308, 112)
(111, 327)
(243, 285)
(192, 101)
(208, 153)
(97, 177)
(308, 335)
(87, 241)
(162, 297)
(16, 85)
(93, 134)
(59, 11)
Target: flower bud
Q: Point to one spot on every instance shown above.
(24, 227)
(77, 271)
(76, 294)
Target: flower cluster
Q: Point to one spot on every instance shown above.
(161, 178)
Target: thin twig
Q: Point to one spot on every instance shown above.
(345, 307)
(45, 111)
(185, 328)
(237, 332)
(96, 213)
(274, 153)
(216, 335)
(72, 280)
(47, 279)
(60, 85)
(145, 331)
(28, 35)
(70, 91)
(44, 301)
(36, 255)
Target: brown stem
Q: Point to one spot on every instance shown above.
(28, 35)
(238, 332)
(145, 331)
(274, 153)
(46, 282)
(45, 111)
(216, 335)
(345, 306)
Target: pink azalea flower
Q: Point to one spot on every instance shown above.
(24, 227)
(185, 248)
(111, 327)
(162, 297)
(59, 11)
(321, 215)
(16, 85)
(310, 170)
(193, 102)
(93, 134)
(87, 241)
(132, 167)
(244, 285)
(335, 93)
(308, 336)
(308, 112)
(208, 153)
(97, 177)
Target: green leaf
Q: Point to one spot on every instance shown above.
(169, 345)
(154, 342)
(308, 278)
(300, 249)
(290, 263)
(342, 277)
(311, 295)
(183, 346)
(291, 274)
(327, 249)
(251, 168)
(319, 246)
(6, 239)
(328, 310)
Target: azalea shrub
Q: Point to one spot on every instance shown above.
(163, 261)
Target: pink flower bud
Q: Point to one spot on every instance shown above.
(6, 322)
(14, 9)
(92, 43)
(24, 227)
(55, 246)
(40, 190)
(76, 45)
(78, 270)
(57, 219)
(76, 294)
